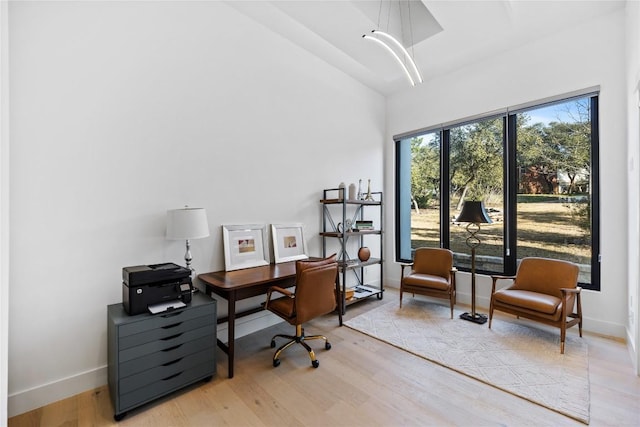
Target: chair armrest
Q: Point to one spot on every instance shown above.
(403, 265)
(495, 278)
(575, 290)
(283, 291)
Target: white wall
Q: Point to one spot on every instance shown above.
(575, 59)
(4, 208)
(120, 111)
(632, 39)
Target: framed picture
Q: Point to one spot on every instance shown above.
(288, 242)
(245, 246)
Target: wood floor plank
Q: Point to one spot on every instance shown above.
(360, 382)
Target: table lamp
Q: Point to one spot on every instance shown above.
(474, 214)
(187, 223)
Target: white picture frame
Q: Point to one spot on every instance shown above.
(288, 242)
(245, 246)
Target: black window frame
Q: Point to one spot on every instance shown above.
(510, 181)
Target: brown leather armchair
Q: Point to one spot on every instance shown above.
(314, 295)
(432, 274)
(544, 290)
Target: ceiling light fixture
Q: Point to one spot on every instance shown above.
(392, 52)
(400, 48)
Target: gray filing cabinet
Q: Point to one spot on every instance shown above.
(153, 355)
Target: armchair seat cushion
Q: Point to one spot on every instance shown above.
(426, 281)
(528, 300)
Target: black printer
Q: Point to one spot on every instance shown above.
(145, 285)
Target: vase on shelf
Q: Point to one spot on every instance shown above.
(364, 253)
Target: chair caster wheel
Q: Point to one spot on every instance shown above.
(327, 346)
(276, 363)
(273, 343)
(315, 363)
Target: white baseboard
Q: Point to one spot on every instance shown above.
(36, 397)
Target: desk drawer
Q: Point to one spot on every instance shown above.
(165, 385)
(163, 332)
(148, 323)
(166, 370)
(161, 357)
(165, 344)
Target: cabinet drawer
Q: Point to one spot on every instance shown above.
(158, 358)
(148, 323)
(165, 343)
(164, 386)
(163, 332)
(166, 370)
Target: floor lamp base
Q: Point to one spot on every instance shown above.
(475, 318)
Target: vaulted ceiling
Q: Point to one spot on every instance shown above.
(441, 35)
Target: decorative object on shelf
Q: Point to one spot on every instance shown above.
(245, 246)
(474, 214)
(341, 191)
(364, 225)
(382, 38)
(352, 191)
(348, 228)
(186, 224)
(288, 242)
(348, 294)
(364, 254)
(369, 197)
(359, 189)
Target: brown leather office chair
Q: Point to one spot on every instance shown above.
(544, 290)
(314, 295)
(432, 274)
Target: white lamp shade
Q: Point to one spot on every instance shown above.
(187, 223)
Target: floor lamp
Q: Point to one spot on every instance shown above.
(474, 214)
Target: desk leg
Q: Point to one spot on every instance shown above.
(231, 315)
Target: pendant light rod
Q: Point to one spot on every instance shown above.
(406, 53)
(395, 55)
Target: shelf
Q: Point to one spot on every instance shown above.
(362, 292)
(358, 264)
(351, 202)
(335, 213)
(350, 233)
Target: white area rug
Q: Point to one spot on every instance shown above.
(522, 360)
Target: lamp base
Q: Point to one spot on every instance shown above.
(475, 318)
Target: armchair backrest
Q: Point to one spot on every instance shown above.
(434, 261)
(545, 275)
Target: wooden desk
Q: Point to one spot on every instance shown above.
(241, 284)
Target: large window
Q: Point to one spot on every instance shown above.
(536, 171)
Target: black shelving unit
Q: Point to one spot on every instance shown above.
(339, 216)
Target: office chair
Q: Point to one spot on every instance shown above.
(314, 295)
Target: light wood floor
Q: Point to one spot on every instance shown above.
(360, 382)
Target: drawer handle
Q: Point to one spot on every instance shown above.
(172, 348)
(171, 376)
(172, 326)
(176, 313)
(173, 362)
(171, 337)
